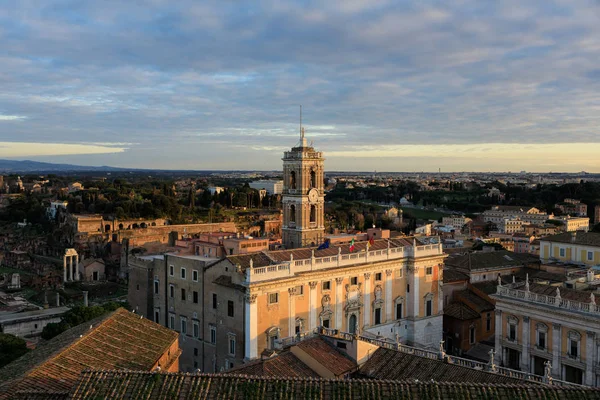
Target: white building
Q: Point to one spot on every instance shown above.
(456, 221)
(54, 206)
(529, 215)
(572, 224)
(272, 187)
(215, 189)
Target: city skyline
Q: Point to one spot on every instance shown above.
(384, 86)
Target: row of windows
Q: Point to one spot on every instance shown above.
(195, 299)
(573, 341)
(562, 253)
(196, 332)
(183, 273)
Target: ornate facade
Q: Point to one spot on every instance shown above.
(303, 196)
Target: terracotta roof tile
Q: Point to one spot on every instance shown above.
(119, 340)
(282, 365)
(392, 364)
(460, 311)
(473, 300)
(491, 259)
(144, 385)
(566, 294)
(328, 356)
(453, 275)
(584, 238)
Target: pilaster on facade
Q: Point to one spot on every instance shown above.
(312, 320)
(292, 308)
(250, 329)
(499, 334)
(415, 302)
(388, 295)
(556, 350)
(339, 298)
(525, 338)
(590, 358)
(367, 297)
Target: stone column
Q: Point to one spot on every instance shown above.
(388, 295)
(292, 317)
(250, 321)
(312, 306)
(339, 303)
(76, 272)
(57, 299)
(64, 269)
(85, 298)
(590, 359)
(70, 268)
(367, 299)
(556, 349)
(499, 335)
(525, 347)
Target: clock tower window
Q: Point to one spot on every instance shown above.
(293, 180)
(313, 214)
(292, 213)
(313, 179)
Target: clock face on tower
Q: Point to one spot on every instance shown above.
(313, 196)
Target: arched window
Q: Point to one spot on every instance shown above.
(313, 179)
(313, 213)
(292, 213)
(293, 180)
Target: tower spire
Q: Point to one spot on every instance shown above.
(302, 138)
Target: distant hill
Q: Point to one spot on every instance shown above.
(15, 166)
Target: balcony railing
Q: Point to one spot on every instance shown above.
(292, 267)
(571, 305)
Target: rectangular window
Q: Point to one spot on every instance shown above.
(232, 345)
(157, 317)
(326, 323)
(195, 276)
(408, 288)
(155, 287)
(196, 331)
(230, 308)
(171, 291)
(327, 285)
(171, 270)
(428, 308)
(195, 351)
(488, 322)
(378, 276)
(574, 348)
(542, 340)
(195, 295)
(377, 316)
(299, 290)
(590, 256)
(399, 311)
(354, 280)
(183, 325)
(182, 273)
(171, 321)
(472, 335)
(214, 300)
(512, 332)
(213, 334)
(273, 298)
(182, 294)
(399, 273)
(562, 252)
(429, 271)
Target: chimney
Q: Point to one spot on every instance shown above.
(590, 275)
(57, 299)
(85, 298)
(573, 236)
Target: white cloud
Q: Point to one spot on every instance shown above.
(23, 149)
(11, 117)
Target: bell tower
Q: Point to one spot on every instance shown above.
(303, 196)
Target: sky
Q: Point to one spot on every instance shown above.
(464, 85)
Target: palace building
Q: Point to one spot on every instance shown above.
(232, 309)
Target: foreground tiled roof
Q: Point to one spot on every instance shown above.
(327, 356)
(567, 294)
(584, 238)
(476, 302)
(144, 385)
(120, 340)
(283, 365)
(392, 364)
(453, 275)
(460, 311)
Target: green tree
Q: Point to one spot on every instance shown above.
(11, 348)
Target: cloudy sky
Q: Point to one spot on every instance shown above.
(385, 85)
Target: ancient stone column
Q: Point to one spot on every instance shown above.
(85, 298)
(70, 268)
(76, 272)
(64, 269)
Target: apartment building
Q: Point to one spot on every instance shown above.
(571, 247)
(572, 224)
(572, 206)
(529, 215)
(541, 326)
(457, 222)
